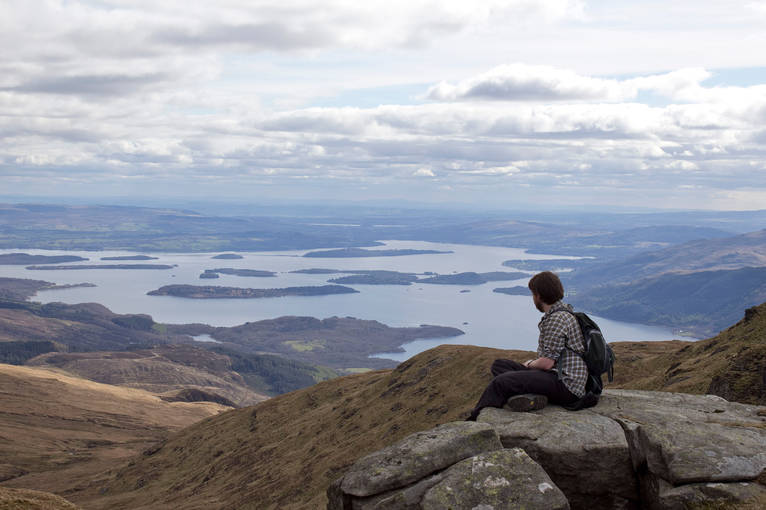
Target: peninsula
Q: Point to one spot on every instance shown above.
(513, 291)
(214, 292)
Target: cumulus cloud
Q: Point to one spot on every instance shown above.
(533, 83)
(521, 82)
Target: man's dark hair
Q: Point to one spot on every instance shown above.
(548, 286)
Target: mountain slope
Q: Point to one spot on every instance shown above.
(58, 431)
(283, 453)
(732, 364)
(161, 369)
(703, 301)
(24, 499)
(736, 252)
(701, 285)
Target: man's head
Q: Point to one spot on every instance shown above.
(546, 289)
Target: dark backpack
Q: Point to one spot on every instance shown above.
(598, 356)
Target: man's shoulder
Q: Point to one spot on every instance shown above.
(561, 309)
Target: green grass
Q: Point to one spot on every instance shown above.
(300, 346)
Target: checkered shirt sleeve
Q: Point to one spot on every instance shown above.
(556, 331)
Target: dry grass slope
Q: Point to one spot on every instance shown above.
(23, 499)
(732, 364)
(284, 452)
(162, 369)
(60, 432)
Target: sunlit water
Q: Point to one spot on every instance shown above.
(488, 319)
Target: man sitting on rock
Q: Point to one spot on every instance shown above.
(530, 386)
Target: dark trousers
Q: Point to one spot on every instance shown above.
(512, 378)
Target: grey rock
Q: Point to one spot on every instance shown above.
(689, 438)
(685, 451)
(408, 498)
(336, 500)
(418, 456)
(660, 495)
(569, 444)
(502, 479)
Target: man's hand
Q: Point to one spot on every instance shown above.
(540, 363)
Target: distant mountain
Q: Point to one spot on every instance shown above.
(608, 236)
(745, 250)
(283, 453)
(703, 301)
(700, 285)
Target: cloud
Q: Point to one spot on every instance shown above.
(185, 96)
(521, 82)
(90, 85)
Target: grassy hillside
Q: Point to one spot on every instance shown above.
(732, 364)
(161, 369)
(24, 499)
(284, 452)
(159, 357)
(59, 431)
(703, 301)
(736, 252)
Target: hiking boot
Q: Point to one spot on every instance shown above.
(526, 402)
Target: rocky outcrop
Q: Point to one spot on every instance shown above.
(567, 444)
(456, 465)
(635, 449)
(688, 450)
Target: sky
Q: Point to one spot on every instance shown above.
(516, 103)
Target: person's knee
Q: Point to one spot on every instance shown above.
(499, 366)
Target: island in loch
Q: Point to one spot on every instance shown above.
(361, 252)
(215, 292)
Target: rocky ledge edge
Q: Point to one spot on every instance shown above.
(635, 449)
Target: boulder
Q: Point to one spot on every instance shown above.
(660, 495)
(569, 444)
(415, 457)
(407, 498)
(690, 438)
(502, 479)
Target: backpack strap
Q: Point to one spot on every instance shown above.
(566, 345)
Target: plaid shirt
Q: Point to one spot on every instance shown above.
(558, 330)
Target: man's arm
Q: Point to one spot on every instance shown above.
(540, 363)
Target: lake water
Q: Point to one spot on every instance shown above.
(488, 319)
